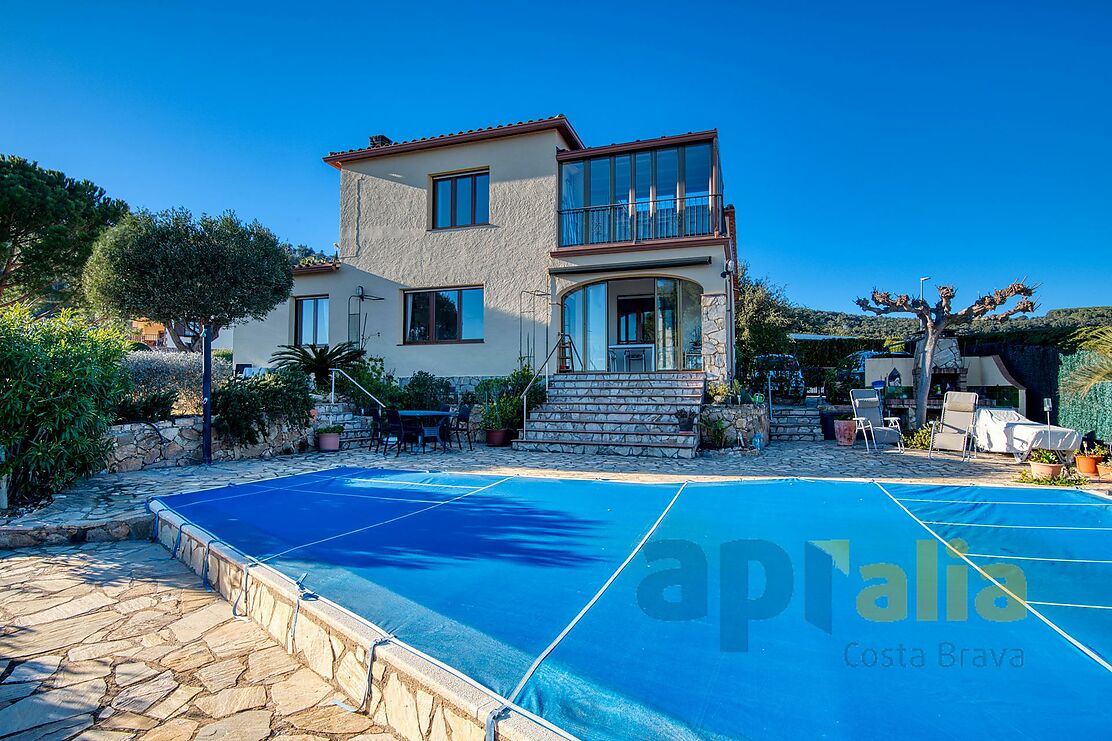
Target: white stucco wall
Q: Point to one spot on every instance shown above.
(388, 247)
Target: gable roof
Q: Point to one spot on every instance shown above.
(555, 123)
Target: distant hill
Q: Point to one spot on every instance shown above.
(814, 321)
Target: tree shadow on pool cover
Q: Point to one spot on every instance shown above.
(481, 530)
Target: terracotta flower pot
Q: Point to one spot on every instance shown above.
(1045, 470)
(328, 442)
(498, 438)
(845, 431)
(1104, 470)
(1086, 464)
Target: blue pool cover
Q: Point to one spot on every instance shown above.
(759, 609)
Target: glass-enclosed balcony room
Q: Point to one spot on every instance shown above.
(641, 193)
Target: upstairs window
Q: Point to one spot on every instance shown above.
(461, 200)
(442, 316)
(311, 321)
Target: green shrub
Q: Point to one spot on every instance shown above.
(423, 390)
(503, 413)
(223, 353)
(920, 439)
(148, 408)
(61, 381)
(244, 407)
(372, 375)
(514, 385)
(173, 372)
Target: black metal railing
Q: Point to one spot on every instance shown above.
(639, 221)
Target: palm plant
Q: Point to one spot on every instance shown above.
(318, 361)
(1097, 369)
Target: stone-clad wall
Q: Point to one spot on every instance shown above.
(744, 419)
(409, 696)
(177, 442)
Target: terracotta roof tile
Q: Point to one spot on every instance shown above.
(557, 121)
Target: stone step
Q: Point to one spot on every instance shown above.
(626, 385)
(615, 438)
(626, 405)
(689, 376)
(645, 450)
(656, 417)
(622, 399)
(596, 425)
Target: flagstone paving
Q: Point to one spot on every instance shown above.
(111, 506)
(72, 669)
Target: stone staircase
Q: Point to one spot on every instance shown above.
(628, 414)
(798, 423)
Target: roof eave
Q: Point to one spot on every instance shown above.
(560, 124)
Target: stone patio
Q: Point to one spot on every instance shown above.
(111, 506)
(117, 641)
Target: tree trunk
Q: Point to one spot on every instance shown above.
(926, 367)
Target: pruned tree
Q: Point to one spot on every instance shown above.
(48, 224)
(205, 273)
(188, 273)
(934, 320)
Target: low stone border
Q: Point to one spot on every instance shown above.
(134, 527)
(411, 695)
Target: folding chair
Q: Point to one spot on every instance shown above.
(954, 432)
(871, 424)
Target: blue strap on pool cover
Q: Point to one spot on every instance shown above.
(487, 581)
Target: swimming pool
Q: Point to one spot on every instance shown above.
(759, 608)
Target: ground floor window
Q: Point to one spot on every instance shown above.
(311, 321)
(444, 315)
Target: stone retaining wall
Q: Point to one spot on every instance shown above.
(410, 695)
(177, 442)
(743, 420)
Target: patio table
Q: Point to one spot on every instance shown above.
(429, 431)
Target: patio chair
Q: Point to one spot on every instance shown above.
(398, 432)
(954, 432)
(461, 425)
(871, 423)
(377, 427)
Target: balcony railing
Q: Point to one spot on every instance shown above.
(665, 218)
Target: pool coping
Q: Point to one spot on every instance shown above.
(411, 694)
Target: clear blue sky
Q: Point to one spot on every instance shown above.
(862, 146)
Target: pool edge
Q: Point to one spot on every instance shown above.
(411, 695)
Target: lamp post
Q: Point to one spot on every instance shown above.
(921, 282)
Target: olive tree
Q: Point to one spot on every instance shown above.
(204, 273)
(934, 320)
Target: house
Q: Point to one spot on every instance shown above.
(469, 253)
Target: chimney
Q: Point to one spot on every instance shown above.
(379, 140)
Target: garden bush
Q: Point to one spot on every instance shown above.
(244, 407)
(423, 390)
(372, 375)
(61, 381)
(146, 408)
(173, 372)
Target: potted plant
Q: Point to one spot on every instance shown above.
(1087, 459)
(328, 438)
(718, 392)
(499, 417)
(686, 419)
(845, 430)
(1044, 464)
(1104, 470)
